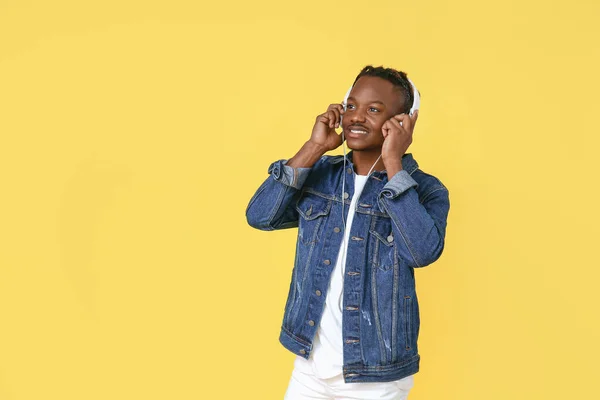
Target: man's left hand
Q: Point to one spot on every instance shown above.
(397, 134)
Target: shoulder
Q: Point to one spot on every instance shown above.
(428, 184)
(323, 172)
(328, 163)
(420, 175)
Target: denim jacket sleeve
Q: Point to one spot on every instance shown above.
(273, 205)
(418, 225)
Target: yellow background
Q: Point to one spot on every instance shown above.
(133, 134)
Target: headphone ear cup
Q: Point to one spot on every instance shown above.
(416, 98)
(346, 98)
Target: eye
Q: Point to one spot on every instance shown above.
(350, 106)
(373, 109)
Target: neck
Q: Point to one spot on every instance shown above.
(363, 161)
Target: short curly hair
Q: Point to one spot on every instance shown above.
(397, 78)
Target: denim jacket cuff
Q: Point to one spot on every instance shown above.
(290, 176)
(400, 182)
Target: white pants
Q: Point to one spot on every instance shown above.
(305, 385)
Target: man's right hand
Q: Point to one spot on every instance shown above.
(323, 133)
(323, 138)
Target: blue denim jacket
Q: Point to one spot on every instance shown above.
(399, 225)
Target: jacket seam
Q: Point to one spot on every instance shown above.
(403, 234)
(425, 197)
(301, 341)
(278, 205)
(255, 196)
(384, 368)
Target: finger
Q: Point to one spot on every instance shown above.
(341, 110)
(415, 116)
(395, 122)
(386, 128)
(324, 118)
(336, 120)
(404, 121)
(331, 116)
(413, 119)
(336, 117)
(337, 107)
(328, 115)
(399, 118)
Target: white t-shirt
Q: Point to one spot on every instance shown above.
(327, 356)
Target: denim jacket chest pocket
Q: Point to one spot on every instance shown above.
(383, 254)
(313, 211)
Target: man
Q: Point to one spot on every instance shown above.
(352, 315)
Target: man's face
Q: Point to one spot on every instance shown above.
(372, 101)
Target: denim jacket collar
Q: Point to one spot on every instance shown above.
(408, 163)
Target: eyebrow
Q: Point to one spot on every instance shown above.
(370, 102)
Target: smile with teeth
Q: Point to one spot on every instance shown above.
(360, 131)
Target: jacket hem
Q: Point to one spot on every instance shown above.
(294, 344)
(385, 373)
(355, 372)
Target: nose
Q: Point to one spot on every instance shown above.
(357, 115)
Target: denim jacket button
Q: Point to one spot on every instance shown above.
(326, 262)
(390, 238)
(302, 351)
(311, 322)
(346, 195)
(349, 170)
(336, 229)
(318, 292)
